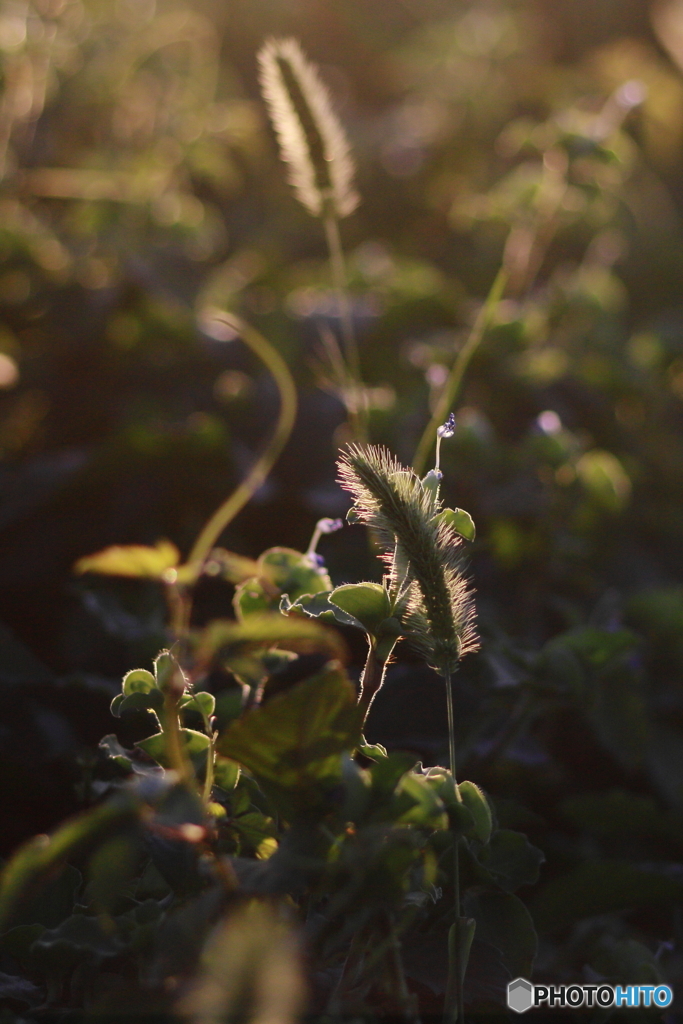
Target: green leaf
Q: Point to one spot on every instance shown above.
(41, 857)
(115, 705)
(605, 479)
(254, 597)
(318, 606)
(153, 700)
(80, 939)
(55, 900)
(460, 937)
(458, 520)
(138, 681)
(113, 749)
(229, 705)
(367, 602)
(196, 745)
(477, 804)
(504, 922)
(132, 560)
(168, 673)
(418, 804)
(225, 637)
(375, 751)
(387, 771)
(202, 702)
(110, 868)
(281, 571)
(510, 860)
(293, 572)
(226, 773)
(298, 735)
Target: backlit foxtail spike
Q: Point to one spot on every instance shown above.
(312, 140)
(392, 501)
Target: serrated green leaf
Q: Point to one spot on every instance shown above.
(367, 602)
(138, 681)
(318, 606)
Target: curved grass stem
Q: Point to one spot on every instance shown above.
(224, 515)
(453, 384)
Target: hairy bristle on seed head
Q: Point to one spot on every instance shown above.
(312, 141)
(391, 500)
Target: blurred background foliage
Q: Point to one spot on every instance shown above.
(141, 191)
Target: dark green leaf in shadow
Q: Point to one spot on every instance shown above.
(510, 860)
(299, 734)
(504, 922)
(598, 887)
(38, 859)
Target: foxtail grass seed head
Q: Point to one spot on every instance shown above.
(391, 500)
(312, 141)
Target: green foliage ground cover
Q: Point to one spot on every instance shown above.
(143, 210)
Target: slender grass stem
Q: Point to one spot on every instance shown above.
(454, 991)
(453, 384)
(224, 515)
(357, 411)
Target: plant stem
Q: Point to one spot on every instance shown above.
(455, 377)
(210, 754)
(455, 985)
(340, 282)
(174, 745)
(371, 680)
(260, 470)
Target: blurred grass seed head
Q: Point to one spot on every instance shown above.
(312, 140)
